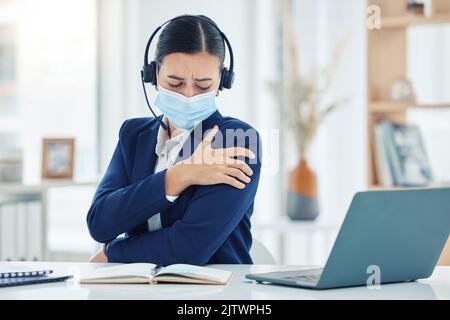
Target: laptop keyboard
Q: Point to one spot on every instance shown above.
(305, 278)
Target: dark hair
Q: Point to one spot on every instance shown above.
(190, 34)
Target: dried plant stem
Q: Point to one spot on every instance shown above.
(301, 98)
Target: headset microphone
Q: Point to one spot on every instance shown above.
(148, 103)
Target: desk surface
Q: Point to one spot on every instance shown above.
(44, 185)
(435, 287)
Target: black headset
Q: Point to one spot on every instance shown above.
(149, 70)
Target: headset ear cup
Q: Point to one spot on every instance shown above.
(152, 73)
(149, 73)
(230, 79)
(226, 79)
(145, 73)
(221, 79)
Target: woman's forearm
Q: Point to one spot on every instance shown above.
(114, 212)
(194, 238)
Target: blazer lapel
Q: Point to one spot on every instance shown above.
(145, 157)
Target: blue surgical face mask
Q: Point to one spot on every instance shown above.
(185, 113)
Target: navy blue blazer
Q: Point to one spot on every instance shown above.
(205, 225)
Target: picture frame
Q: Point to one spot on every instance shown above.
(58, 157)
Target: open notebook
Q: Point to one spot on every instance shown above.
(152, 274)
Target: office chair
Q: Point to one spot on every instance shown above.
(260, 254)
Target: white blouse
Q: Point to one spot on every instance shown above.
(167, 151)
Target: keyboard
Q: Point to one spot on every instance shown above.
(305, 278)
(19, 281)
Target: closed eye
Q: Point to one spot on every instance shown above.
(176, 85)
(203, 88)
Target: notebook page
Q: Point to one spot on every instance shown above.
(142, 270)
(196, 272)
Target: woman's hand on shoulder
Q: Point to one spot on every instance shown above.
(208, 166)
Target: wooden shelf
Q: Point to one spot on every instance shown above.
(387, 107)
(431, 106)
(386, 61)
(383, 187)
(409, 20)
(397, 107)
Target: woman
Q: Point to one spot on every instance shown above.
(172, 204)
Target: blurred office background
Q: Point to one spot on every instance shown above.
(70, 69)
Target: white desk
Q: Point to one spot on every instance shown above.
(436, 287)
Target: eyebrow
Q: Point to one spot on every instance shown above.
(179, 78)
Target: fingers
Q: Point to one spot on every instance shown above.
(210, 135)
(236, 173)
(232, 182)
(241, 165)
(236, 177)
(238, 151)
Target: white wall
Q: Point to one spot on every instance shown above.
(57, 98)
(428, 67)
(56, 79)
(338, 153)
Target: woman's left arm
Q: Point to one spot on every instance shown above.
(213, 213)
(119, 206)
